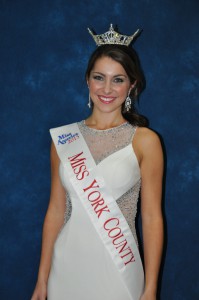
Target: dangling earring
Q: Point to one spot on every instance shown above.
(128, 102)
(89, 101)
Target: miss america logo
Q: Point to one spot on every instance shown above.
(67, 138)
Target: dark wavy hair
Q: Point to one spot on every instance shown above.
(129, 60)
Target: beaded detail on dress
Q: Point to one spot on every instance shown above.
(128, 206)
(68, 210)
(101, 144)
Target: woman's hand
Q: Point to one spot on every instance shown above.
(40, 292)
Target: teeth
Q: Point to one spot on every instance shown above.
(106, 99)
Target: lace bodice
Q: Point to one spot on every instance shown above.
(103, 143)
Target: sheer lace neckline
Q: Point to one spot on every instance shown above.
(83, 122)
(102, 143)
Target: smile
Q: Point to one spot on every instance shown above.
(106, 100)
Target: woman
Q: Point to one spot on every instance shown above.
(102, 162)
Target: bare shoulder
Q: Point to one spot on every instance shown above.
(147, 137)
(146, 143)
(52, 148)
(53, 154)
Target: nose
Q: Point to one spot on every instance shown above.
(107, 87)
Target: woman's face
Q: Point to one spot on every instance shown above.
(108, 84)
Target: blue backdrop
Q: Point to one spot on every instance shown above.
(44, 47)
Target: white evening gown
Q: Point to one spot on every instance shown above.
(81, 266)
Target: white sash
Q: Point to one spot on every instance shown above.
(100, 205)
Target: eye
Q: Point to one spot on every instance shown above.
(118, 80)
(98, 77)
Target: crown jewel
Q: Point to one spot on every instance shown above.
(113, 37)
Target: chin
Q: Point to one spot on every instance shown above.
(107, 108)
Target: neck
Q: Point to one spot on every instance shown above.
(104, 121)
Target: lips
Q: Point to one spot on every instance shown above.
(106, 100)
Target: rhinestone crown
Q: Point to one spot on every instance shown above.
(113, 37)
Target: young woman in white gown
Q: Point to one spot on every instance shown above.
(99, 166)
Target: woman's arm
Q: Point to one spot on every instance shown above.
(52, 224)
(151, 163)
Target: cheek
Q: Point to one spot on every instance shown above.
(123, 91)
(93, 86)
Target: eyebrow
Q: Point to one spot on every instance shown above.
(93, 72)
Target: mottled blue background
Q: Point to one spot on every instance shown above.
(44, 47)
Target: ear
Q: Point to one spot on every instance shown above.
(133, 84)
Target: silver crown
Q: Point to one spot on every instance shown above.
(112, 37)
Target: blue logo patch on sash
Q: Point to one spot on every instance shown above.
(67, 138)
